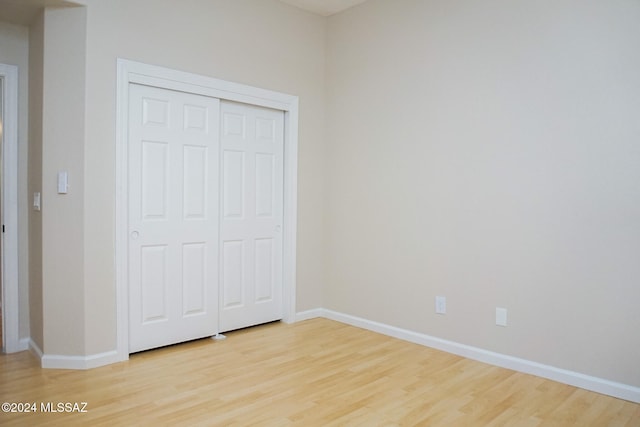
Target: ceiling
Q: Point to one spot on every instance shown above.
(22, 12)
(324, 7)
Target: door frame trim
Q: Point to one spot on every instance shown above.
(9, 279)
(151, 75)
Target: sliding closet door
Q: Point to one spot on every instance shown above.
(173, 164)
(252, 144)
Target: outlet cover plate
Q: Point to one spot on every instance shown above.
(501, 316)
(441, 305)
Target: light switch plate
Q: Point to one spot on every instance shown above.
(36, 201)
(63, 182)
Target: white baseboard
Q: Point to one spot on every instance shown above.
(35, 349)
(51, 361)
(72, 362)
(576, 379)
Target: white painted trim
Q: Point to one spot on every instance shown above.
(10, 300)
(50, 361)
(576, 379)
(151, 75)
(290, 211)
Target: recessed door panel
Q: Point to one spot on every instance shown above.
(155, 158)
(195, 181)
(264, 269)
(265, 129)
(233, 274)
(155, 112)
(265, 181)
(234, 127)
(196, 118)
(153, 272)
(233, 183)
(194, 279)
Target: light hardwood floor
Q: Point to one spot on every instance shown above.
(312, 373)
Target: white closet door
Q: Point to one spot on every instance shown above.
(252, 148)
(173, 221)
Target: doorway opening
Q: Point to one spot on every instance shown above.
(9, 207)
(1, 215)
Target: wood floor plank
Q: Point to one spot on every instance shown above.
(312, 373)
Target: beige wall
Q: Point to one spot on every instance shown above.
(484, 152)
(262, 43)
(63, 141)
(14, 50)
(488, 152)
(36, 57)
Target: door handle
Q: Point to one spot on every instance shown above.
(134, 235)
(278, 228)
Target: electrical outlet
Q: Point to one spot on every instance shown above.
(501, 316)
(441, 305)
